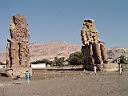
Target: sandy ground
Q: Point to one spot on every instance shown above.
(67, 83)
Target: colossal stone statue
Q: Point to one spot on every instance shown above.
(18, 47)
(93, 49)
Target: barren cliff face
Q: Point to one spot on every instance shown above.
(51, 50)
(114, 53)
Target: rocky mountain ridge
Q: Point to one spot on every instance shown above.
(61, 49)
(51, 50)
(48, 51)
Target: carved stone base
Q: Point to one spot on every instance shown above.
(110, 67)
(91, 67)
(20, 72)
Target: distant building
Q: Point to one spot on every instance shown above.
(38, 66)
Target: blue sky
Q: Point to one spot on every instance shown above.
(61, 20)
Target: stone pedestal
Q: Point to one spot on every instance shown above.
(110, 67)
(18, 72)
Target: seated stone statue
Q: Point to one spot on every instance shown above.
(93, 49)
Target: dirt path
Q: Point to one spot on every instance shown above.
(68, 83)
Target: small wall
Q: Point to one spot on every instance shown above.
(38, 66)
(20, 71)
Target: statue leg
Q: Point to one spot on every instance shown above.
(97, 56)
(97, 53)
(103, 53)
(88, 60)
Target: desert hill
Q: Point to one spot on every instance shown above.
(51, 50)
(114, 53)
(48, 51)
(61, 49)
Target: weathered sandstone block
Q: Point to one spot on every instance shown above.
(18, 47)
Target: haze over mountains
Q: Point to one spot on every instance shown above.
(61, 49)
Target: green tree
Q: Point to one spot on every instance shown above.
(123, 59)
(59, 61)
(42, 61)
(76, 58)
